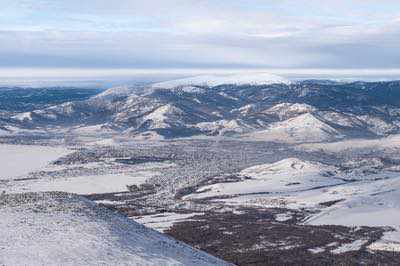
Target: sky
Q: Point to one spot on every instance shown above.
(171, 35)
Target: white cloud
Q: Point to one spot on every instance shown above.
(196, 34)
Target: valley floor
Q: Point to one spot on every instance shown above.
(249, 203)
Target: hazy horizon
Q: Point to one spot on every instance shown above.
(113, 77)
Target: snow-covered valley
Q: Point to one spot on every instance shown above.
(40, 226)
(149, 182)
(200, 160)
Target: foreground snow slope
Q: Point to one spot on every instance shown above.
(216, 80)
(64, 229)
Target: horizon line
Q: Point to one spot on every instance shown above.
(55, 72)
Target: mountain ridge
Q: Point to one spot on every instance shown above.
(339, 110)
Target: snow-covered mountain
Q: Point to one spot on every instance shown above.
(302, 128)
(217, 80)
(262, 106)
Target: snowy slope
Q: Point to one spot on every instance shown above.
(164, 117)
(92, 130)
(288, 175)
(302, 128)
(365, 204)
(182, 108)
(369, 199)
(222, 127)
(114, 93)
(216, 80)
(63, 229)
(288, 110)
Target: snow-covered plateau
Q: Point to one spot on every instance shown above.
(232, 79)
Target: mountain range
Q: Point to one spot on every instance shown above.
(254, 106)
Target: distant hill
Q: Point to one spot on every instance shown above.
(28, 99)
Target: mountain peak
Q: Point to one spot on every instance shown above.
(115, 92)
(216, 80)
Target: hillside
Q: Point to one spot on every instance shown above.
(63, 229)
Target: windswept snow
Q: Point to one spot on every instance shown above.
(63, 229)
(216, 80)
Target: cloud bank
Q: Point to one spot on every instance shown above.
(199, 34)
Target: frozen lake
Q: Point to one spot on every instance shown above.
(19, 160)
